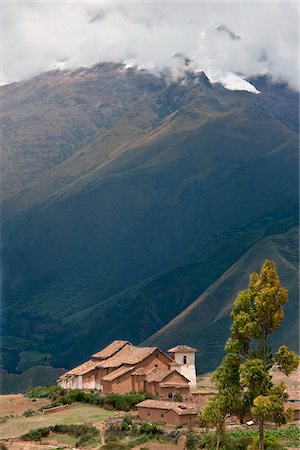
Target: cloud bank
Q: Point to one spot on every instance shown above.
(228, 41)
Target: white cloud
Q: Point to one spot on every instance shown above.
(37, 36)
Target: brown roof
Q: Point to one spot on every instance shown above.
(111, 349)
(182, 349)
(157, 375)
(117, 373)
(139, 371)
(179, 408)
(129, 355)
(294, 393)
(83, 368)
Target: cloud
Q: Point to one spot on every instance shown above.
(229, 41)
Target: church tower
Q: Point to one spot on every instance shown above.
(185, 362)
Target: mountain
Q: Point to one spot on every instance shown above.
(206, 322)
(126, 196)
(35, 376)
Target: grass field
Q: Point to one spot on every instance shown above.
(76, 414)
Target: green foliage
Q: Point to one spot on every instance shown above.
(150, 428)
(121, 402)
(271, 408)
(254, 376)
(125, 402)
(243, 379)
(270, 443)
(126, 422)
(29, 412)
(85, 433)
(44, 392)
(287, 361)
(241, 439)
(191, 441)
(178, 397)
(228, 441)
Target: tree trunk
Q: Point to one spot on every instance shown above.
(261, 435)
(218, 440)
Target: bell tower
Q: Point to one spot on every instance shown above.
(185, 362)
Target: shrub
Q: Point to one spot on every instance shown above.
(178, 398)
(28, 413)
(271, 443)
(59, 397)
(150, 428)
(36, 435)
(228, 441)
(44, 391)
(191, 442)
(84, 432)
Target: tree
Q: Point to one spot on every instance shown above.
(243, 377)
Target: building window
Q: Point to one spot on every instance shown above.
(170, 395)
(162, 415)
(184, 360)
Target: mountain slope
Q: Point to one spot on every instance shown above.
(205, 323)
(83, 240)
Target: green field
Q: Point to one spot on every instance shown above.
(75, 414)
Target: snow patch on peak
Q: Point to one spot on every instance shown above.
(234, 82)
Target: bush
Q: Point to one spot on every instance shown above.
(271, 443)
(84, 432)
(229, 441)
(37, 434)
(126, 422)
(150, 428)
(59, 397)
(28, 413)
(178, 398)
(191, 443)
(125, 402)
(44, 392)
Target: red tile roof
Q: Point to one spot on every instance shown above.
(117, 373)
(139, 371)
(128, 355)
(179, 407)
(182, 349)
(84, 368)
(157, 375)
(111, 349)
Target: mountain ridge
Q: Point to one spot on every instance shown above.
(97, 236)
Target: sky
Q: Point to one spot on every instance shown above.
(228, 41)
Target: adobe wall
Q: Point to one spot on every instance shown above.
(163, 415)
(152, 388)
(138, 383)
(172, 418)
(157, 359)
(121, 385)
(89, 380)
(151, 414)
(165, 391)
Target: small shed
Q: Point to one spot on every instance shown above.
(172, 413)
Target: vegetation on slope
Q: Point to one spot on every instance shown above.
(84, 242)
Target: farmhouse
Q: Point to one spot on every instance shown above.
(122, 367)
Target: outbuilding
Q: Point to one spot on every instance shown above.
(172, 413)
